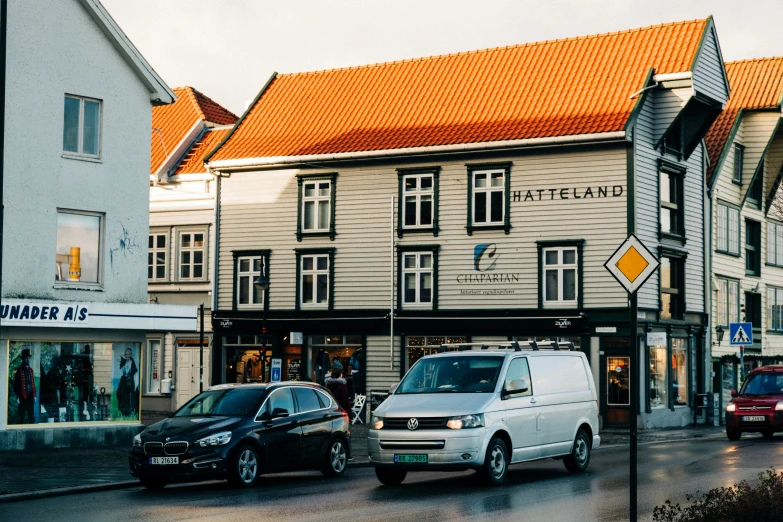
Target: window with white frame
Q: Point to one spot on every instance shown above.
(192, 255)
(82, 126)
(316, 205)
(727, 299)
(489, 197)
(728, 230)
(417, 278)
(314, 284)
(157, 256)
(79, 247)
(775, 309)
(418, 193)
(560, 267)
(775, 243)
(248, 270)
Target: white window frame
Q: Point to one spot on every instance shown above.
(252, 274)
(192, 249)
(488, 190)
(560, 267)
(775, 244)
(727, 301)
(154, 250)
(80, 146)
(728, 236)
(65, 282)
(774, 300)
(317, 201)
(418, 193)
(418, 271)
(315, 272)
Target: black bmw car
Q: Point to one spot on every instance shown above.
(239, 431)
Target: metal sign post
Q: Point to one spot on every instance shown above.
(741, 334)
(632, 264)
(201, 349)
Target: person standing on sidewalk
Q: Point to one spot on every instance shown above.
(24, 389)
(338, 387)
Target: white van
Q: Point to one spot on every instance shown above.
(485, 409)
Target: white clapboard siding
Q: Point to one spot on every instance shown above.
(259, 211)
(708, 75)
(773, 162)
(648, 204)
(381, 374)
(758, 128)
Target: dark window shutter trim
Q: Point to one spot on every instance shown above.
(315, 251)
(401, 173)
(506, 166)
(401, 250)
(331, 233)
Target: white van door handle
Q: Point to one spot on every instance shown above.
(533, 400)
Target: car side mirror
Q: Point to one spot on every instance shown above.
(278, 413)
(515, 386)
(393, 388)
(734, 393)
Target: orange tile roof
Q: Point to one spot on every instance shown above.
(554, 88)
(755, 84)
(175, 120)
(193, 162)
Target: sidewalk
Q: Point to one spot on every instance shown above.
(53, 472)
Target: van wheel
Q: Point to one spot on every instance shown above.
(579, 458)
(495, 468)
(245, 467)
(733, 434)
(335, 459)
(390, 476)
(768, 434)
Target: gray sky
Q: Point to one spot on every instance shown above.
(228, 48)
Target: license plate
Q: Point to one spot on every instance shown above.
(410, 459)
(754, 418)
(163, 461)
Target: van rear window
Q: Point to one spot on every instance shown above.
(558, 374)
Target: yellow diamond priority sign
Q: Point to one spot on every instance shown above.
(632, 264)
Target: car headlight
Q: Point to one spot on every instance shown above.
(779, 406)
(731, 407)
(466, 421)
(377, 423)
(218, 439)
(137, 441)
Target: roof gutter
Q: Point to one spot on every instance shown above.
(412, 151)
(174, 157)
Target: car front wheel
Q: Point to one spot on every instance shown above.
(768, 434)
(733, 434)
(245, 468)
(336, 459)
(495, 467)
(579, 458)
(152, 483)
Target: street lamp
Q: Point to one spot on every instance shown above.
(262, 283)
(719, 333)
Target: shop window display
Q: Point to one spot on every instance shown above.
(341, 351)
(418, 347)
(658, 381)
(245, 360)
(69, 382)
(680, 371)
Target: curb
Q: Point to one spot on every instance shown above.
(109, 486)
(58, 492)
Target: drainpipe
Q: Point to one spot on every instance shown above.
(3, 52)
(216, 247)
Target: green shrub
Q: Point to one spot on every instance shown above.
(761, 502)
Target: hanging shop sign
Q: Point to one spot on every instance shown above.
(656, 338)
(152, 317)
(297, 338)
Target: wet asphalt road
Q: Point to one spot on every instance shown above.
(541, 491)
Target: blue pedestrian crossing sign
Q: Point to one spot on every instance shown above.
(740, 334)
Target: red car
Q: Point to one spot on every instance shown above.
(758, 407)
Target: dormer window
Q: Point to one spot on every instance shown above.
(739, 156)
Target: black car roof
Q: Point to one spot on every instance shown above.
(263, 385)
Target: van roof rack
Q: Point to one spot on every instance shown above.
(511, 345)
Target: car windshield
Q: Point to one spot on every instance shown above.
(763, 384)
(230, 402)
(452, 375)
